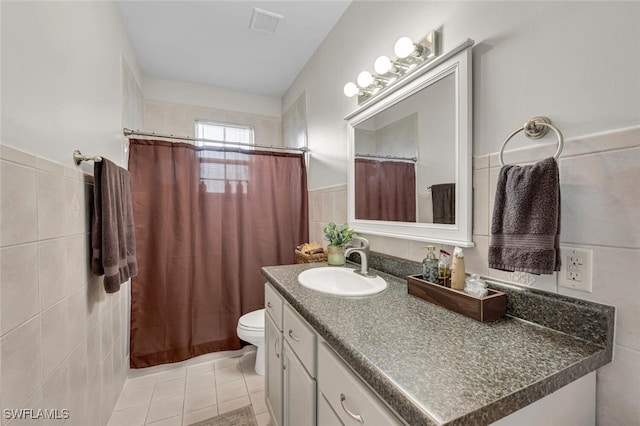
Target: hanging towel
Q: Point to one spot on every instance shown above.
(443, 198)
(112, 234)
(525, 228)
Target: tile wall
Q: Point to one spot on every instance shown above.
(63, 339)
(326, 205)
(600, 211)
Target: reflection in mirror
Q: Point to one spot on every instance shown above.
(404, 163)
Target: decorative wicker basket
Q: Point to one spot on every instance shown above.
(302, 257)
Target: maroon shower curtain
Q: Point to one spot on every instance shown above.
(385, 190)
(205, 222)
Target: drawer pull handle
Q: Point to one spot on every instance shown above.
(356, 417)
(275, 346)
(295, 339)
(269, 305)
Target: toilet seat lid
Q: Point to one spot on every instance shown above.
(253, 320)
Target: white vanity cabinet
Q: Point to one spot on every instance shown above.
(351, 400)
(296, 358)
(299, 370)
(291, 364)
(326, 415)
(344, 381)
(273, 351)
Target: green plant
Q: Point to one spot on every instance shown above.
(338, 235)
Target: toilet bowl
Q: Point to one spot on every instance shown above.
(251, 330)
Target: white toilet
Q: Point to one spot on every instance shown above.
(251, 329)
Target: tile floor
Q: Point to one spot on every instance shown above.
(186, 395)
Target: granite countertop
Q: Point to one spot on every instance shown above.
(436, 367)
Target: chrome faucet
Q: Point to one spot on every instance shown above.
(363, 249)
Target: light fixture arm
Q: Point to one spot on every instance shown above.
(388, 72)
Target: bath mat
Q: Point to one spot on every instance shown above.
(241, 417)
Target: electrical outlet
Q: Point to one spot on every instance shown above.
(574, 276)
(576, 269)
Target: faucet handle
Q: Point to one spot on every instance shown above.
(362, 243)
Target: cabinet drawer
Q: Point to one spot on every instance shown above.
(273, 305)
(349, 397)
(326, 415)
(301, 337)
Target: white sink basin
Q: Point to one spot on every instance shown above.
(340, 281)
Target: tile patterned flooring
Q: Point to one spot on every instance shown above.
(186, 395)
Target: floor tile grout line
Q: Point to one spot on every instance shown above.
(238, 365)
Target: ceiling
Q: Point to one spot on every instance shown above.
(210, 42)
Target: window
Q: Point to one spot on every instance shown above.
(222, 171)
(223, 132)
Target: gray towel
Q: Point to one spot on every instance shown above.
(525, 230)
(443, 199)
(112, 234)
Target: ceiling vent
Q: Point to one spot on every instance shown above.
(265, 21)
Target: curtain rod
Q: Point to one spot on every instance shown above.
(388, 157)
(129, 132)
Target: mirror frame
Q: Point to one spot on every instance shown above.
(456, 62)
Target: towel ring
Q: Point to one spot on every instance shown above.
(535, 128)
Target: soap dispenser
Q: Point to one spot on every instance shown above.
(430, 265)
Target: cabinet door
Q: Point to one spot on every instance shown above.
(299, 391)
(273, 351)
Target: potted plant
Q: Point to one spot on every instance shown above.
(337, 236)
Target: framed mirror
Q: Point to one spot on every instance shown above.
(409, 156)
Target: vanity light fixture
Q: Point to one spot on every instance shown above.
(350, 89)
(365, 79)
(405, 47)
(410, 56)
(384, 65)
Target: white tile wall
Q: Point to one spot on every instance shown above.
(19, 285)
(19, 212)
(618, 389)
(326, 205)
(62, 338)
(600, 204)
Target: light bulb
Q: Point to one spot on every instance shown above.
(403, 47)
(382, 65)
(364, 79)
(350, 89)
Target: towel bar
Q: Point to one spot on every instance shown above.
(79, 158)
(535, 128)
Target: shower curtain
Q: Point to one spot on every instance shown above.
(385, 190)
(205, 222)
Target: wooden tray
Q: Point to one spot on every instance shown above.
(488, 308)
